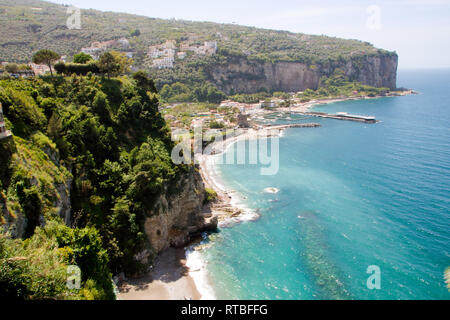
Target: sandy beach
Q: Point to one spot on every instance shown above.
(169, 280)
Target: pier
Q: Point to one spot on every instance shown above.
(295, 125)
(342, 116)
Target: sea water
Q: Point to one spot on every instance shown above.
(353, 198)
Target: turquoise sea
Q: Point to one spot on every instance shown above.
(352, 195)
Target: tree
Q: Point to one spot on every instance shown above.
(216, 125)
(114, 63)
(123, 61)
(82, 58)
(144, 82)
(135, 33)
(46, 57)
(12, 68)
(108, 64)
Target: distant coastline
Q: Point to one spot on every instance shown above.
(228, 206)
(187, 272)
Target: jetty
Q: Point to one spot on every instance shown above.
(342, 116)
(295, 125)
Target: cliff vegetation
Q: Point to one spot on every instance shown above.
(88, 161)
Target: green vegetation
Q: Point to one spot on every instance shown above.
(185, 113)
(111, 63)
(216, 125)
(30, 25)
(82, 58)
(251, 98)
(29, 29)
(179, 92)
(103, 142)
(339, 86)
(46, 57)
(37, 267)
(14, 67)
(211, 195)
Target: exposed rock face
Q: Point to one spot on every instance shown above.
(63, 204)
(178, 217)
(378, 71)
(244, 76)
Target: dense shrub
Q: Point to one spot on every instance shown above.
(110, 134)
(77, 68)
(179, 92)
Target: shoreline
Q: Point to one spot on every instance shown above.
(181, 274)
(228, 206)
(169, 279)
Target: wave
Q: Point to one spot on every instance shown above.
(199, 273)
(271, 190)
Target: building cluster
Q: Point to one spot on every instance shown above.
(97, 47)
(208, 48)
(245, 108)
(165, 55)
(3, 132)
(39, 69)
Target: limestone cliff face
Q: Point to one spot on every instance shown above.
(378, 71)
(178, 217)
(241, 75)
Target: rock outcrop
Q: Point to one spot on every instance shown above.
(178, 217)
(242, 75)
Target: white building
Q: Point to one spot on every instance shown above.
(155, 54)
(181, 55)
(39, 69)
(170, 53)
(170, 44)
(166, 62)
(211, 45)
(124, 43)
(92, 51)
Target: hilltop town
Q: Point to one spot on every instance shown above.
(165, 55)
(159, 56)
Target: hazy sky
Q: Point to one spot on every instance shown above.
(419, 30)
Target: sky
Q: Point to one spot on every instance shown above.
(418, 30)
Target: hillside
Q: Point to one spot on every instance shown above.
(87, 179)
(234, 58)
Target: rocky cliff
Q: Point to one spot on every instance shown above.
(178, 217)
(242, 75)
(46, 174)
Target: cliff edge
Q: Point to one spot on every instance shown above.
(243, 75)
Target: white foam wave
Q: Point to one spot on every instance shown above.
(271, 190)
(199, 273)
